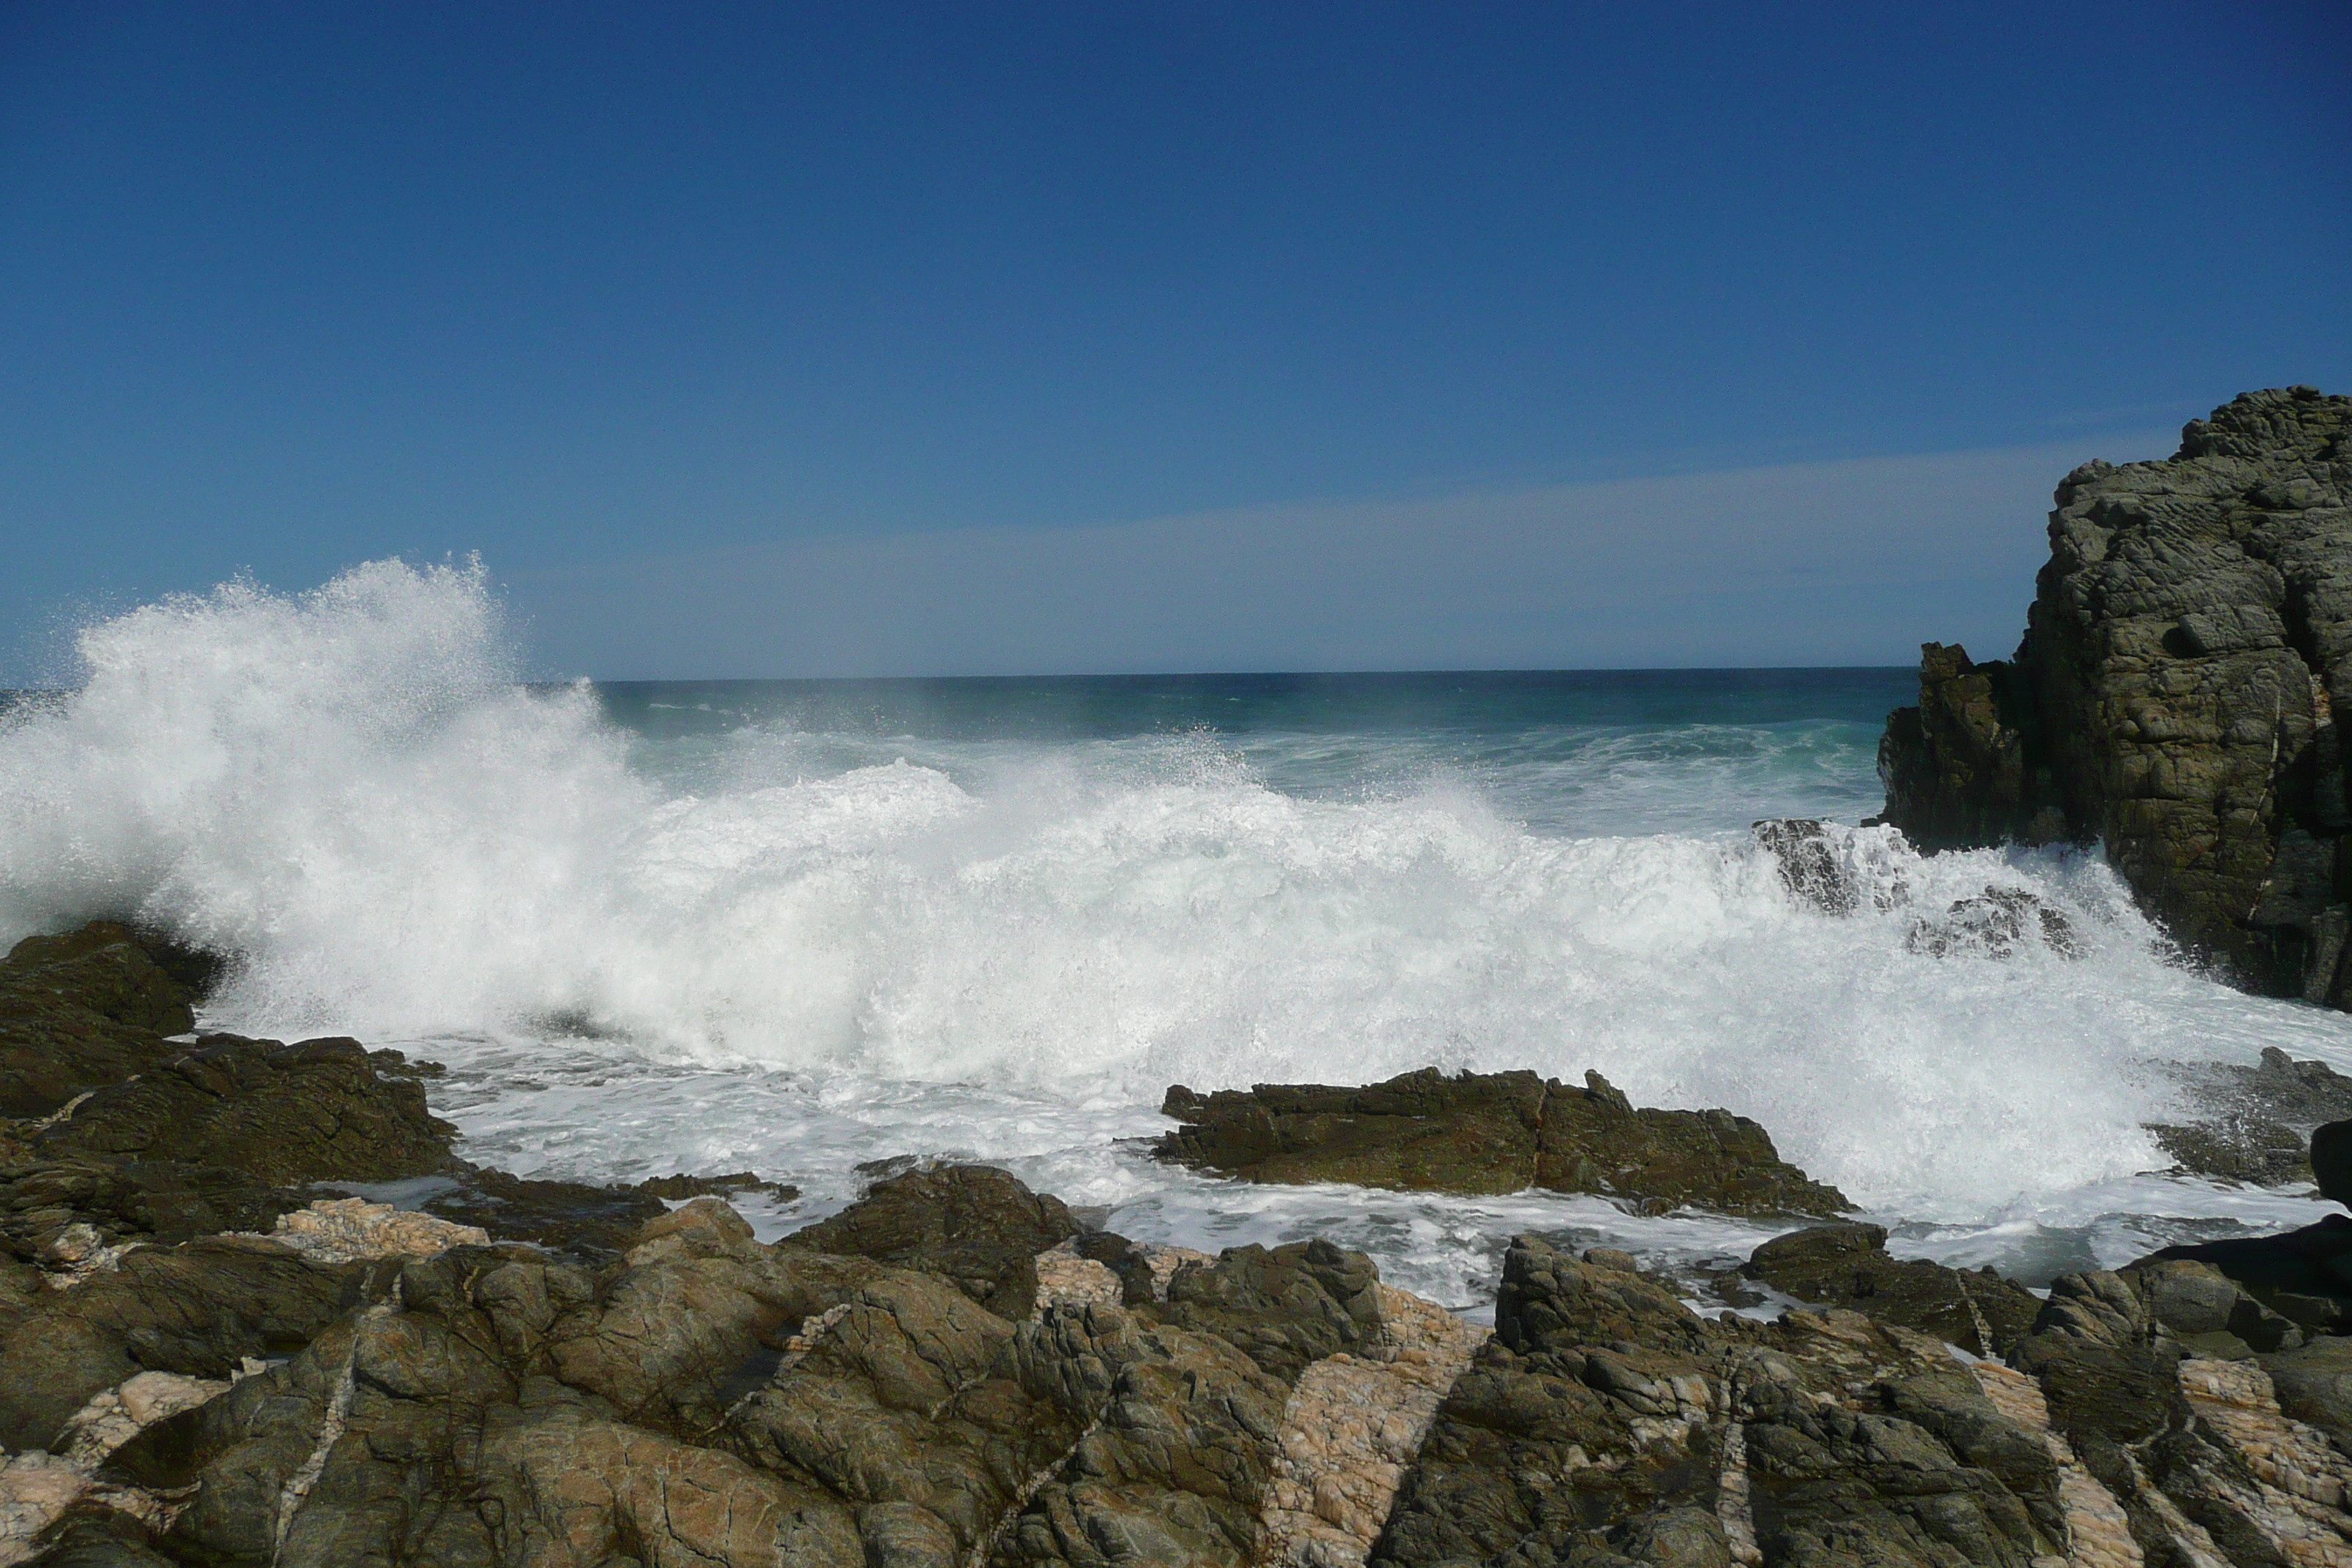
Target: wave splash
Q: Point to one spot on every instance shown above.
(351, 790)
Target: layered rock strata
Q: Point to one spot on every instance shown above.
(1605, 1424)
(1492, 1132)
(2174, 695)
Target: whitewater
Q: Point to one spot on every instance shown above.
(800, 928)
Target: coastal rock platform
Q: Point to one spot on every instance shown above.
(954, 1371)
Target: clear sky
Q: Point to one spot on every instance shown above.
(776, 339)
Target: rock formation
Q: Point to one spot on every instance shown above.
(2174, 694)
(952, 1372)
(1492, 1132)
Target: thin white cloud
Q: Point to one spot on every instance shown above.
(1854, 561)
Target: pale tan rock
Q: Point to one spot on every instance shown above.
(1350, 1427)
(35, 1489)
(1165, 1261)
(1063, 1276)
(2302, 1482)
(2099, 1532)
(349, 1230)
(77, 1252)
(120, 1414)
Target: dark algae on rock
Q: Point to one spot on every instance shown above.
(1492, 1132)
(2174, 696)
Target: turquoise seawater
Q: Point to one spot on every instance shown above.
(1563, 751)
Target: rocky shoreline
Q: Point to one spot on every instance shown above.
(2174, 697)
(207, 1357)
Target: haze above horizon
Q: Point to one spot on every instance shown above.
(829, 340)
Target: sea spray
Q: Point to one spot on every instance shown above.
(349, 790)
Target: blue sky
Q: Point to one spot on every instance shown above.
(773, 339)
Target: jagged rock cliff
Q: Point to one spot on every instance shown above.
(2174, 695)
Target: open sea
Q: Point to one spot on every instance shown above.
(797, 926)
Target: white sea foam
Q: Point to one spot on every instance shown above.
(1010, 950)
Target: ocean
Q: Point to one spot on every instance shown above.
(802, 926)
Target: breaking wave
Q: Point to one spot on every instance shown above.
(351, 791)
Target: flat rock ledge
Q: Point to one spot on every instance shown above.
(1492, 1133)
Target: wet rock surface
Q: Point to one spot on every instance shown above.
(952, 1372)
(313, 1111)
(79, 1011)
(1848, 1265)
(1492, 1132)
(2256, 1120)
(2187, 648)
(974, 1225)
(590, 1223)
(1997, 923)
(1810, 865)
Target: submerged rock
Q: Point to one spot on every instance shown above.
(578, 1219)
(1810, 865)
(2255, 1120)
(1492, 1132)
(1994, 925)
(676, 1189)
(2175, 693)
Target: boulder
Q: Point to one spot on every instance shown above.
(1470, 1132)
(1848, 1265)
(1284, 1308)
(2305, 1275)
(1605, 1423)
(1492, 1132)
(2174, 695)
(974, 1225)
(314, 1111)
(80, 1011)
(1596, 1141)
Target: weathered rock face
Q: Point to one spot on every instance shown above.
(1605, 1424)
(976, 1225)
(2175, 693)
(715, 1401)
(314, 1111)
(80, 1011)
(2251, 1123)
(1492, 1132)
(1848, 1265)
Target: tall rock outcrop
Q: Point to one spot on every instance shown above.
(2174, 696)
